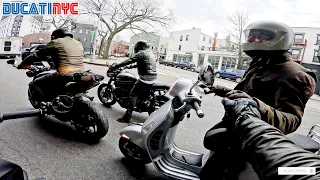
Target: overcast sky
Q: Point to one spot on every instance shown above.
(211, 15)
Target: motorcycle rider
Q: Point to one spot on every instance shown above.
(280, 86)
(146, 64)
(67, 56)
(264, 146)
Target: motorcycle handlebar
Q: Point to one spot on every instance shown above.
(21, 114)
(198, 110)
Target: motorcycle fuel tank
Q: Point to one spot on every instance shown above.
(126, 77)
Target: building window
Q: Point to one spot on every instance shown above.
(296, 54)
(181, 37)
(298, 38)
(204, 38)
(84, 39)
(318, 39)
(214, 61)
(210, 40)
(80, 31)
(87, 31)
(187, 37)
(202, 48)
(315, 56)
(179, 47)
(228, 63)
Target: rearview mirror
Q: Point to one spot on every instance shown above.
(206, 75)
(27, 50)
(12, 61)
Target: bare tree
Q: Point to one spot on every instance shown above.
(119, 15)
(238, 21)
(103, 34)
(59, 21)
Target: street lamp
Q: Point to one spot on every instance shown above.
(95, 37)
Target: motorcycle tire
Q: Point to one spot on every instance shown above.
(107, 101)
(85, 111)
(141, 157)
(33, 102)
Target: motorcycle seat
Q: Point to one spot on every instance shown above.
(304, 142)
(159, 86)
(216, 139)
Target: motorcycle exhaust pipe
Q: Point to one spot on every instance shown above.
(21, 114)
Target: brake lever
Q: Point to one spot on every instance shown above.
(184, 105)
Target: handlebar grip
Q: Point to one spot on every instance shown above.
(198, 110)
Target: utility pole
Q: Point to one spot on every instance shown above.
(94, 32)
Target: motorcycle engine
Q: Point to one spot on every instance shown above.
(62, 104)
(146, 102)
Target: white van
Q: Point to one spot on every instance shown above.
(10, 46)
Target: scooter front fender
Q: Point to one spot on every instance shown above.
(133, 132)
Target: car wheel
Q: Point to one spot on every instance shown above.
(192, 70)
(238, 80)
(175, 66)
(185, 68)
(218, 75)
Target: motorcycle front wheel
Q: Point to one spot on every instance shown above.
(32, 100)
(106, 95)
(90, 120)
(133, 152)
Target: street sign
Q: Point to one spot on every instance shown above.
(93, 32)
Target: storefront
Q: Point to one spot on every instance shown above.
(182, 57)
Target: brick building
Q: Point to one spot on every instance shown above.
(120, 47)
(36, 38)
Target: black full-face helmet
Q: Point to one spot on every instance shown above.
(141, 45)
(60, 33)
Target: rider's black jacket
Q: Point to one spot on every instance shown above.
(266, 148)
(146, 64)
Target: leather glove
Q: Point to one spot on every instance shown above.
(238, 108)
(235, 94)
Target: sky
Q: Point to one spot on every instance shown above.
(211, 15)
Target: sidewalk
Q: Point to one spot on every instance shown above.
(102, 62)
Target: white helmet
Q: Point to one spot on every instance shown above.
(267, 36)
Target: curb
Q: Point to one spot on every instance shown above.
(95, 63)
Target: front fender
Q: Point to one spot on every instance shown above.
(134, 133)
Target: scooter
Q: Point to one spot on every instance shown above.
(153, 141)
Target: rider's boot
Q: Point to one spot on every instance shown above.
(126, 118)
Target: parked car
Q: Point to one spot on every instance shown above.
(233, 74)
(167, 63)
(28, 51)
(184, 65)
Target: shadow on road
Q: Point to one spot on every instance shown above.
(61, 129)
(139, 171)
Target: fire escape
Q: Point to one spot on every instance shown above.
(298, 49)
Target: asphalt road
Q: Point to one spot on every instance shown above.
(51, 149)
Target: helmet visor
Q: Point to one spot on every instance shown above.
(259, 35)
